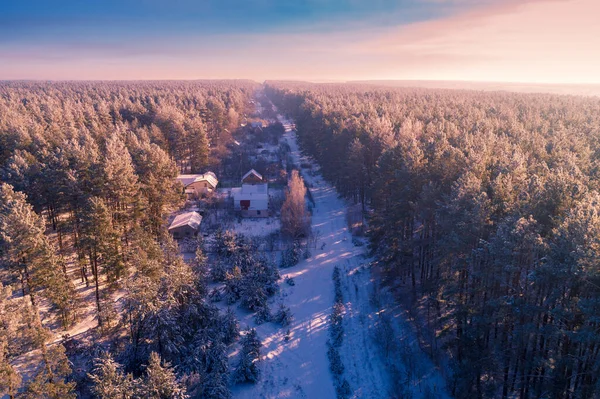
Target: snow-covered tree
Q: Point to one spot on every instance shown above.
(230, 327)
(27, 253)
(217, 369)
(109, 381)
(50, 380)
(10, 380)
(263, 314)
(233, 285)
(295, 219)
(283, 315)
(160, 382)
(247, 369)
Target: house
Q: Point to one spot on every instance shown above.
(197, 185)
(252, 199)
(257, 124)
(185, 225)
(252, 177)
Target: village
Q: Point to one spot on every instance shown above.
(243, 200)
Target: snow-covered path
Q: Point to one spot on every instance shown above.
(299, 368)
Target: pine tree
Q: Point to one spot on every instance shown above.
(198, 145)
(139, 309)
(247, 367)
(283, 315)
(30, 256)
(109, 381)
(100, 242)
(180, 280)
(215, 384)
(160, 382)
(157, 183)
(230, 327)
(120, 182)
(233, 285)
(10, 380)
(49, 382)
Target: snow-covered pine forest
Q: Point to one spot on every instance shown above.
(418, 243)
(482, 211)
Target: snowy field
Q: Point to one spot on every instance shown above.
(299, 367)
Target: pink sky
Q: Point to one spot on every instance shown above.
(542, 41)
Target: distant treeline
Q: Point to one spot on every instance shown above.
(485, 207)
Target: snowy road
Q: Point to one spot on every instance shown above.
(299, 368)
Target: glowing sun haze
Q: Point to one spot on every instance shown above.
(551, 41)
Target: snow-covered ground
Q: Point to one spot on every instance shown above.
(255, 227)
(299, 368)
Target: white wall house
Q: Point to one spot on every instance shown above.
(197, 185)
(252, 199)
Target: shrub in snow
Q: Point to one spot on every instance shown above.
(338, 294)
(230, 328)
(283, 315)
(215, 295)
(337, 284)
(357, 242)
(343, 390)
(306, 254)
(263, 315)
(384, 334)
(269, 276)
(188, 245)
(288, 335)
(253, 296)
(291, 256)
(335, 361)
(218, 272)
(290, 281)
(233, 284)
(336, 330)
(271, 240)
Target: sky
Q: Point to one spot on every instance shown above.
(534, 41)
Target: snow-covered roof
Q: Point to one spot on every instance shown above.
(191, 219)
(210, 177)
(255, 188)
(252, 172)
(250, 192)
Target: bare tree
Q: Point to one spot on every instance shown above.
(295, 219)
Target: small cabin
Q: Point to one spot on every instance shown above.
(185, 225)
(197, 185)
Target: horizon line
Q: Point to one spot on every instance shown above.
(314, 81)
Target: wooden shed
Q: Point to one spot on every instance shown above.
(185, 225)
